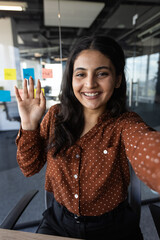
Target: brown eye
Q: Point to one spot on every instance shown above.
(101, 74)
(80, 74)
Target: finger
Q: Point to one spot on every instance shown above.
(18, 97)
(38, 91)
(42, 100)
(25, 90)
(31, 88)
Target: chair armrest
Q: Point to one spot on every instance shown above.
(13, 216)
(134, 192)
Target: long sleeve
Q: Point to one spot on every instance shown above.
(32, 145)
(142, 145)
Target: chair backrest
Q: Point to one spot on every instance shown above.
(11, 110)
(13, 216)
(134, 192)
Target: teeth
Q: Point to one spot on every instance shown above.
(90, 94)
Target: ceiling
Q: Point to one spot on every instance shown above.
(44, 34)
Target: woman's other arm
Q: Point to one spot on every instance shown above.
(142, 145)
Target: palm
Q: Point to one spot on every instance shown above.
(31, 109)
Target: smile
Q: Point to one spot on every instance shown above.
(91, 94)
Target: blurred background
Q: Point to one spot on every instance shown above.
(36, 38)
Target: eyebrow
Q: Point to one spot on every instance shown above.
(98, 68)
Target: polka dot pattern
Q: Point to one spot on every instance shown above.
(92, 177)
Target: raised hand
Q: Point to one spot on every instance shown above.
(31, 109)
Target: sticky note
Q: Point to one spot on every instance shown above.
(5, 96)
(36, 90)
(47, 73)
(10, 74)
(28, 72)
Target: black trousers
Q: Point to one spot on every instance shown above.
(119, 224)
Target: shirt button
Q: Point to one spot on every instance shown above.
(75, 176)
(77, 156)
(105, 151)
(76, 195)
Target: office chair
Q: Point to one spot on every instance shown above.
(13, 216)
(134, 197)
(11, 110)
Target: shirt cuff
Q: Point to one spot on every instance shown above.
(23, 133)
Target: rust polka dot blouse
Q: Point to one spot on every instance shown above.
(92, 177)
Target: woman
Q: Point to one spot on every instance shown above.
(86, 141)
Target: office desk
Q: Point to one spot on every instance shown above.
(6, 234)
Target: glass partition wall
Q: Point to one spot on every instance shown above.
(143, 83)
(37, 41)
(143, 80)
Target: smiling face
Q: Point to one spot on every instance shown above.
(94, 79)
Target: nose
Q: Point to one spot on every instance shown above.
(91, 81)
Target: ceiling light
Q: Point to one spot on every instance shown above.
(13, 6)
(151, 36)
(37, 54)
(121, 26)
(35, 39)
(60, 59)
(20, 40)
(150, 30)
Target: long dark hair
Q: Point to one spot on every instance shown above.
(70, 120)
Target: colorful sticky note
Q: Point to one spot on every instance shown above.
(36, 90)
(10, 74)
(5, 96)
(28, 72)
(47, 73)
